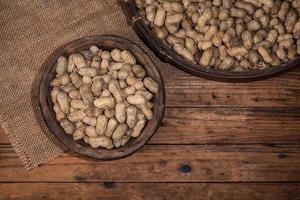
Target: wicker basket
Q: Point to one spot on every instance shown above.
(169, 56)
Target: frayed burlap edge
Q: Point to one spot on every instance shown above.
(26, 162)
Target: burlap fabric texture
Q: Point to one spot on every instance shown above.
(30, 32)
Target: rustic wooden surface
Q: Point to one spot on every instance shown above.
(217, 141)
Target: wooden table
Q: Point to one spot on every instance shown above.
(217, 141)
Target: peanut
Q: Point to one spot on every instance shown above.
(76, 116)
(119, 132)
(131, 119)
(63, 102)
(61, 81)
(68, 127)
(79, 133)
(61, 66)
(78, 60)
(111, 125)
(151, 84)
(101, 141)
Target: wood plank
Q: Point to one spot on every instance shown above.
(153, 191)
(225, 126)
(191, 91)
(166, 163)
(3, 137)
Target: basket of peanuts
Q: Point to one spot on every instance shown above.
(223, 40)
(102, 96)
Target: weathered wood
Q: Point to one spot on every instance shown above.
(106, 43)
(166, 163)
(153, 191)
(229, 125)
(3, 137)
(199, 112)
(191, 91)
(226, 126)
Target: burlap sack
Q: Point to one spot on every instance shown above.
(30, 31)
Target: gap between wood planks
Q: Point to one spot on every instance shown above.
(152, 182)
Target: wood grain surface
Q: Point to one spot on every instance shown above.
(217, 141)
(166, 163)
(282, 91)
(151, 191)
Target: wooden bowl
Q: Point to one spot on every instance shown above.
(106, 43)
(167, 55)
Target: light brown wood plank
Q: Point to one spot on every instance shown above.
(225, 126)
(153, 191)
(191, 91)
(164, 163)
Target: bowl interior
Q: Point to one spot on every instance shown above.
(105, 43)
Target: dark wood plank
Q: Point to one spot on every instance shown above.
(166, 163)
(153, 191)
(226, 126)
(190, 91)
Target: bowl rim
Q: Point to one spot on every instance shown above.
(167, 55)
(99, 153)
